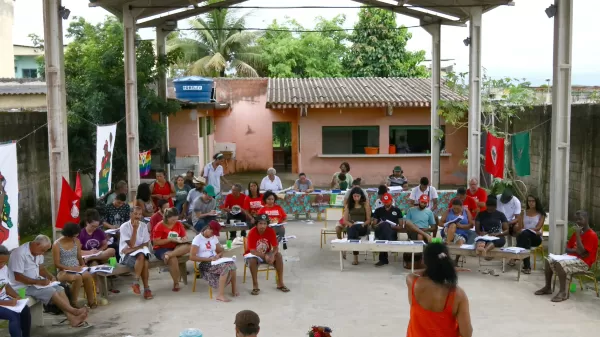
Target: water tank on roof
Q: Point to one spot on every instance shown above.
(194, 88)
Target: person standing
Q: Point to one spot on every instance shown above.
(438, 306)
(162, 189)
(213, 173)
(344, 169)
(247, 324)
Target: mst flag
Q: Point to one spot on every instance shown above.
(494, 156)
(520, 151)
(68, 209)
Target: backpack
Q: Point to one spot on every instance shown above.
(52, 308)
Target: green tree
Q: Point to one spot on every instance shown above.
(289, 52)
(218, 45)
(94, 71)
(379, 48)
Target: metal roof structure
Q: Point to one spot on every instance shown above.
(353, 92)
(22, 88)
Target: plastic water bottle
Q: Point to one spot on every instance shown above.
(191, 333)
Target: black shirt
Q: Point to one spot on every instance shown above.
(491, 222)
(393, 214)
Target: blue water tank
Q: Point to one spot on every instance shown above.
(193, 88)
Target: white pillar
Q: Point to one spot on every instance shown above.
(7, 57)
(57, 104)
(161, 86)
(435, 31)
(474, 93)
(561, 126)
(131, 107)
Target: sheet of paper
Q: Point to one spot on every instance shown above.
(19, 307)
(223, 260)
(339, 240)
(101, 269)
(457, 220)
(359, 222)
(250, 255)
(277, 224)
(467, 246)
(515, 250)
(144, 250)
(486, 238)
(112, 231)
(563, 257)
(52, 284)
(91, 255)
(381, 241)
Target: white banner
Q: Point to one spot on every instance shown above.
(9, 196)
(105, 142)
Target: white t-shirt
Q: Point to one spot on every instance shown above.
(267, 185)
(3, 281)
(213, 176)
(416, 193)
(206, 247)
(510, 209)
(21, 261)
(143, 236)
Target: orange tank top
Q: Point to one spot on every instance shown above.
(425, 323)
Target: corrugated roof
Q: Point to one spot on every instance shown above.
(353, 92)
(22, 87)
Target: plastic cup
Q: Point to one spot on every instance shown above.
(573, 287)
(112, 261)
(229, 244)
(21, 292)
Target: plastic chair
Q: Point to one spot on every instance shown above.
(260, 270)
(535, 250)
(197, 275)
(588, 275)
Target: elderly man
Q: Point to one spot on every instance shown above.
(193, 194)
(581, 253)
(247, 324)
(133, 246)
(26, 270)
(477, 193)
(235, 207)
(271, 182)
(303, 184)
(204, 208)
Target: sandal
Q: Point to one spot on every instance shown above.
(255, 292)
(494, 272)
(284, 289)
(176, 288)
(355, 263)
(526, 271)
(485, 271)
(82, 325)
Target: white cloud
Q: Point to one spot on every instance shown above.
(517, 39)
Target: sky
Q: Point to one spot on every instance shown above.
(517, 40)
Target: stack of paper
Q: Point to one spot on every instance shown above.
(486, 238)
(52, 284)
(457, 220)
(223, 260)
(515, 250)
(467, 246)
(563, 257)
(250, 255)
(339, 240)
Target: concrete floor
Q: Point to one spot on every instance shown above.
(360, 301)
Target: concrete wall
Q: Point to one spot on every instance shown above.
(25, 62)
(584, 175)
(25, 102)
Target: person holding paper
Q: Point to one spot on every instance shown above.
(204, 208)
(19, 323)
(490, 223)
(133, 247)
(170, 242)
(303, 184)
(271, 182)
(93, 240)
(357, 217)
(531, 227)
(468, 202)
(457, 224)
(581, 253)
(263, 247)
(254, 200)
(423, 218)
(386, 221)
(276, 214)
(66, 254)
(511, 207)
(206, 249)
(26, 270)
(235, 203)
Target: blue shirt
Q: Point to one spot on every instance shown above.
(422, 218)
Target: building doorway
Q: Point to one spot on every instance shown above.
(282, 146)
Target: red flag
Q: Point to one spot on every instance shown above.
(78, 189)
(494, 156)
(68, 210)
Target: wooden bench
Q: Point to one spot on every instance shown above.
(495, 254)
(154, 263)
(36, 309)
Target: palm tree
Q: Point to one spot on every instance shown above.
(219, 46)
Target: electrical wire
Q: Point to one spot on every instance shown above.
(296, 30)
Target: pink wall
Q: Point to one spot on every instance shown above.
(183, 133)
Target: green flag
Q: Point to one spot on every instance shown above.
(520, 150)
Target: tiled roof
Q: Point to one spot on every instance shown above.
(353, 92)
(22, 87)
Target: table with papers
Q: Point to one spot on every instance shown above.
(345, 245)
(511, 253)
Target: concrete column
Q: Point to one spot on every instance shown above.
(161, 87)
(131, 102)
(561, 126)
(57, 104)
(474, 93)
(435, 31)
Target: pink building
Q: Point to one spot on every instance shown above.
(330, 121)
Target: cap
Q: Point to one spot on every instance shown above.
(386, 198)
(210, 190)
(200, 180)
(424, 198)
(262, 217)
(397, 169)
(247, 319)
(218, 156)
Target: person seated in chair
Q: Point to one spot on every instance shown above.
(262, 244)
(423, 218)
(490, 222)
(583, 249)
(234, 205)
(459, 229)
(204, 208)
(170, 242)
(303, 184)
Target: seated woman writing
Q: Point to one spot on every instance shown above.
(170, 242)
(276, 215)
(459, 224)
(491, 223)
(357, 217)
(94, 243)
(205, 249)
(19, 324)
(531, 228)
(66, 253)
(264, 247)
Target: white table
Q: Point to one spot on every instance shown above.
(367, 246)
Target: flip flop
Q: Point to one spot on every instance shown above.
(494, 272)
(485, 271)
(82, 325)
(255, 292)
(115, 291)
(284, 289)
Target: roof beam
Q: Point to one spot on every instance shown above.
(425, 17)
(188, 14)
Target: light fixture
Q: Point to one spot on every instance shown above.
(389, 110)
(467, 41)
(551, 11)
(64, 12)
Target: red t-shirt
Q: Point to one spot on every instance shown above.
(590, 244)
(275, 213)
(469, 203)
(253, 204)
(231, 201)
(162, 190)
(262, 243)
(154, 220)
(161, 231)
(480, 196)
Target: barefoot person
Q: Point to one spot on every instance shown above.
(19, 324)
(262, 243)
(170, 242)
(205, 249)
(582, 249)
(490, 222)
(134, 238)
(26, 270)
(459, 222)
(438, 306)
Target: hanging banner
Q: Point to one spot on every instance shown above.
(520, 151)
(145, 161)
(68, 209)
(494, 156)
(105, 142)
(9, 196)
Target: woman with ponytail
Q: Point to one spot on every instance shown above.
(438, 306)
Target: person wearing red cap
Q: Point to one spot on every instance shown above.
(423, 218)
(247, 324)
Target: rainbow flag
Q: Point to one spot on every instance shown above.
(145, 160)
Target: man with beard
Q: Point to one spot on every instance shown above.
(423, 218)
